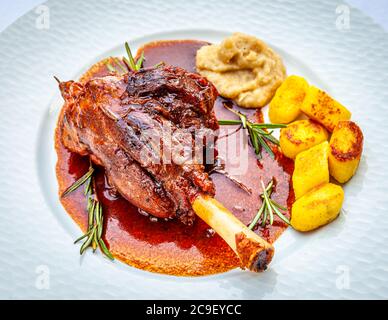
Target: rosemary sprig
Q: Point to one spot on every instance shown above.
(93, 234)
(129, 62)
(268, 208)
(258, 136)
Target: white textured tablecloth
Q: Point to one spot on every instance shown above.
(11, 10)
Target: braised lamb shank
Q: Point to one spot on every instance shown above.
(106, 118)
(115, 120)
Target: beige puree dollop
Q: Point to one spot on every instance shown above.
(242, 68)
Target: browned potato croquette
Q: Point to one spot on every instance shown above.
(285, 105)
(346, 145)
(318, 207)
(301, 135)
(318, 105)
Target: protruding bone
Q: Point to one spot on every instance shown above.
(254, 252)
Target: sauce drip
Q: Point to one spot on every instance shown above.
(169, 246)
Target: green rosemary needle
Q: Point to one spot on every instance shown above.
(139, 62)
(268, 208)
(258, 136)
(130, 61)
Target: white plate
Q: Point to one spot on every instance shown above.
(346, 259)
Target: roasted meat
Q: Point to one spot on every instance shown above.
(149, 130)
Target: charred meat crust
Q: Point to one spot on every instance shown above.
(105, 117)
(181, 95)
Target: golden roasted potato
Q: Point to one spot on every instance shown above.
(318, 207)
(285, 106)
(301, 135)
(311, 169)
(345, 150)
(318, 105)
